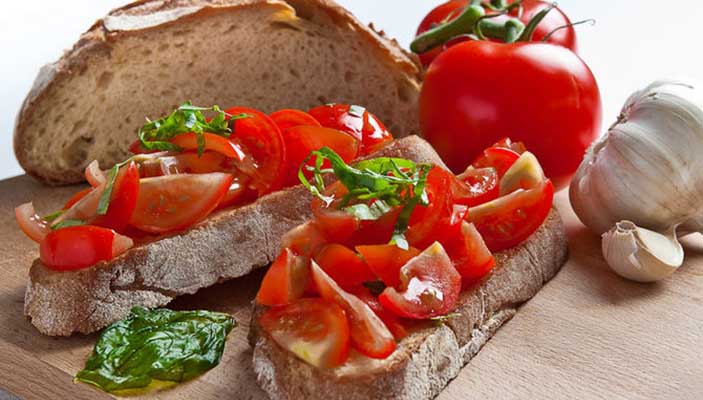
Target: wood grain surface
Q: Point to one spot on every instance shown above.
(587, 334)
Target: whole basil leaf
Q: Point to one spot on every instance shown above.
(161, 344)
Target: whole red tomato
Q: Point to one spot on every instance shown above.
(555, 19)
(478, 92)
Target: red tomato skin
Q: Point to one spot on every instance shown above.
(386, 260)
(76, 247)
(302, 140)
(76, 198)
(519, 220)
(305, 240)
(367, 129)
(289, 118)
(393, 323)
(280, 285)
(344, 266)
(483, 185)
(553, 105)
(470, 255)
(556, 18)
(123, 200)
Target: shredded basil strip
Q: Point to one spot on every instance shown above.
(67, 223)
(375, 186)
(51, 217)
(162, 345)
(154, 135)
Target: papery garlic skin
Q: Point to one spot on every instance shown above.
(648, 168)
(641, 255)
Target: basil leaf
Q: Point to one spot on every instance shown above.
(155, 135)
(156, 345)
(390, 182)
(51, 217)
(67, 223)
(364, 212)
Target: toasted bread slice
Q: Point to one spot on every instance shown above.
(144, 59)
(227, 245)
(430, 357)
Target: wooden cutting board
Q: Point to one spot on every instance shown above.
(587, 334)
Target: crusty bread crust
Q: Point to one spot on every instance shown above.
(227, 245)
(94, 82)
(430, 357)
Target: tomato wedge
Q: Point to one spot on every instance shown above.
(289, 118)
(79, 247)
(425, 222)
(260, 138)
(499, 158)
(184, 163)
(170, 203)
(386, 260)
(305, 240)
(483, 184)
(123, 200)
(285, 280)
(301, 140)
(93, 174)
(393, 323)
(77, 197)
(355, 121)
(369, 335)
(34, 226)
(217, 143)
(470, 255)
(344, 266)
(509, 220)
(315, 330)
(430, 286)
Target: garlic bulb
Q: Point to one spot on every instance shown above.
(648, 168)
(641, 255)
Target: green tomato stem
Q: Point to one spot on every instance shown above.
(463, 24)
(529, 31)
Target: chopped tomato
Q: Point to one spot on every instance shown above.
(429, 287)
(499, 158)
(183, 163)
(94, 175)
(393, 323)
(315, 330)
(346, 267)
(378, 231)
(238, 192)
(170, 203)
(260, 138)
(77, 197)
(369, 335)
(355, 121)
(509, 220)
(305, 240)
(336, 225)
(34, 226)
(137, 148)
(386, 260)
(285, 280)
(426, 221)
(301, 140)
(483, 184)
(289, 118)
(217, 143)
(79, 247)
(469, 254)
(123, 200)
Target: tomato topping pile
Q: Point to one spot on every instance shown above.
(392, 244)
(187, 165)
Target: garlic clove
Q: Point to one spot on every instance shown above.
(641, 255)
